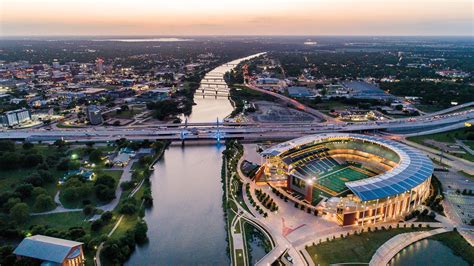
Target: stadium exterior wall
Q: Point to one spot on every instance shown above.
(365, 206)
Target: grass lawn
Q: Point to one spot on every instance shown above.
(457, 244)
(448, 137)
(58, 220)
(428, 108)
(328, 105)
(355, 248)
(128, 114)
(469, 143)
(239, 260)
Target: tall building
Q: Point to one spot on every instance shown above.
(15, 117)
(99, 64)
(94, 115)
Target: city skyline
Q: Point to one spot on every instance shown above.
(304, 17)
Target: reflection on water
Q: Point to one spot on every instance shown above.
(427, 252)
(186, 225)
(209, 107)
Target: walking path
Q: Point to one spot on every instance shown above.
(126, 176)
(282, 244)
(392, 247)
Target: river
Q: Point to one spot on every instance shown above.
(427, 252)
(186, 224)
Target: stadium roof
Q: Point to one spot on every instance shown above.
(45, 248)
(414, 167)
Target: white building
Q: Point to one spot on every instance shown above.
(15, 117)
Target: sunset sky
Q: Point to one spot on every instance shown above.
(238, 17)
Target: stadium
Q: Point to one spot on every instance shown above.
(356, 179)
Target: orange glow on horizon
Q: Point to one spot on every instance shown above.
(244, 17)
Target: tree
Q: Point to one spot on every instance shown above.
(140, 232)
(38, 191)
(129, 206)
(106, 180)
(7, 145)
(44, 202)
(60, 143)
(104, 193)
(106, 216)
(70, 194)
(10, 203)
(27, 145)
(88, 210)
(24, 190)
(20, 213)
(96, 156)
(6, 255)
(35, 180)
(9, 161)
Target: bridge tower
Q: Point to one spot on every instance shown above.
(218, 132)
(182, 134)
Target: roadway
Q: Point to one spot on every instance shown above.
(201, 131)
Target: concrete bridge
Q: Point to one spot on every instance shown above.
(218, 131)
(392, 247)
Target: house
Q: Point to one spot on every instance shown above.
(87, 175)
(51, 251)
(122, 159)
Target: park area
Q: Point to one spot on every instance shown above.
(358, 248)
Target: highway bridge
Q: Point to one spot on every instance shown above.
(218, 130)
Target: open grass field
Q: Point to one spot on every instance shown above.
(354, 248)
(448, 137)
(58, 220)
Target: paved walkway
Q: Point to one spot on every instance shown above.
(282, 244)
(126, 176)
(392, 247)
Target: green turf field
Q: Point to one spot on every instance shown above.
(335, 180)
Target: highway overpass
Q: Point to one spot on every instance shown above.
(203, 131)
